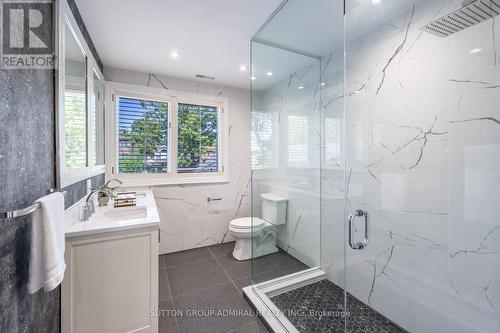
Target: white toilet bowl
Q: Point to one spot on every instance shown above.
(255, 236)
(249, 231)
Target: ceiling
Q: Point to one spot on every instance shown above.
(213, 37)
(322, 27)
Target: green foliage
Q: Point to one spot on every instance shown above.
(197, 132)
(104, 187)
(145, 135)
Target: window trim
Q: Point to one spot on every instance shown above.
(66, 176)
(173, 98)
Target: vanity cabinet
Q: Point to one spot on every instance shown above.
(111, 282)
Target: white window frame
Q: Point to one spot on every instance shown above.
(173, 98)
(67, 176)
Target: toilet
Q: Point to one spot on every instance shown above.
(261, 232)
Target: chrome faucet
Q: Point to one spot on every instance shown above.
(88, 207)
(114, 180)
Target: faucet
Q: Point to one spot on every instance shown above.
(88, 207)
(114, 180)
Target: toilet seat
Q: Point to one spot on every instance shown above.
(247, 224)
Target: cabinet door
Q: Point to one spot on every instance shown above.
(111, 283)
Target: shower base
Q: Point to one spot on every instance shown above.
(318, 307)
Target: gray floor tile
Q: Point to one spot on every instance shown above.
(255, 327)
(237, 269)
(282, 259)
(243, 282)
(294, 268)
(221, 250)
(166, 317)
(257, 278)
(163, 285)
(183, 257)
(195, 276)
(223, 297)
(266, 276)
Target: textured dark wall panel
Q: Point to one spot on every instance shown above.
(27, 155)
(76, 191)
(26, 173)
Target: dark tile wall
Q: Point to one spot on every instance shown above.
(27, 172)
(76, 191)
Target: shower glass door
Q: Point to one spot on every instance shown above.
(422, 157)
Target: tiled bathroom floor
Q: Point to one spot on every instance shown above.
(199, 286)
(325, 295)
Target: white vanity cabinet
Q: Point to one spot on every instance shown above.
(111, 282)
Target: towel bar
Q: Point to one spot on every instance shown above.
(24, 211)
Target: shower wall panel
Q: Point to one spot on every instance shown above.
(422, 157)
(286, 146)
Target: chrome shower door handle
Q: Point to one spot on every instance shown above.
(352, 230)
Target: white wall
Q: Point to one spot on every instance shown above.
(187, 220)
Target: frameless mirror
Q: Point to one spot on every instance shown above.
(75, 103)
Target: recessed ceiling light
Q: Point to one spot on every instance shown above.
(323, 84)
(474, 51)
(376, 1)
(300, 87)
(253, 78)
(175, 54)
(243, 68)
(269, 73)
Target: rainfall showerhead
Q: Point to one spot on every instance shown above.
(472, 13)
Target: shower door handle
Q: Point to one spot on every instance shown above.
(364, 243)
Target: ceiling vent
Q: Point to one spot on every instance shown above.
(205, 77)
(472, 13)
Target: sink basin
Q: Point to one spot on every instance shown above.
(128, 213)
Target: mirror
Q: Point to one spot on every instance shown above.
(98, 121)
(75, 103)
(80, 105)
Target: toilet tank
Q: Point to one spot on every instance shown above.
(274, 208)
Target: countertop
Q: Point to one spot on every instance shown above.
(102, 220)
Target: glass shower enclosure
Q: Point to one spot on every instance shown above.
(378, 122)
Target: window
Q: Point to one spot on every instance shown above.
(333, 141)
(297, 141)
(142, 136)
(197, 149)
(264, 140)
(75, 128)
(166, 140)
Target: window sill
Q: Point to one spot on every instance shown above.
(170, 181)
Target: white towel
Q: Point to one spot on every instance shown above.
(47, 244)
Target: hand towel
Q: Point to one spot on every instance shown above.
(46, 268)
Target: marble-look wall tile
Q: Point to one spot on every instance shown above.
(187, 220)
(421, 151)
(289, 163)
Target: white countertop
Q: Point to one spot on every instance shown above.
(110, 219)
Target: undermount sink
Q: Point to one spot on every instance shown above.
(122, 213)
